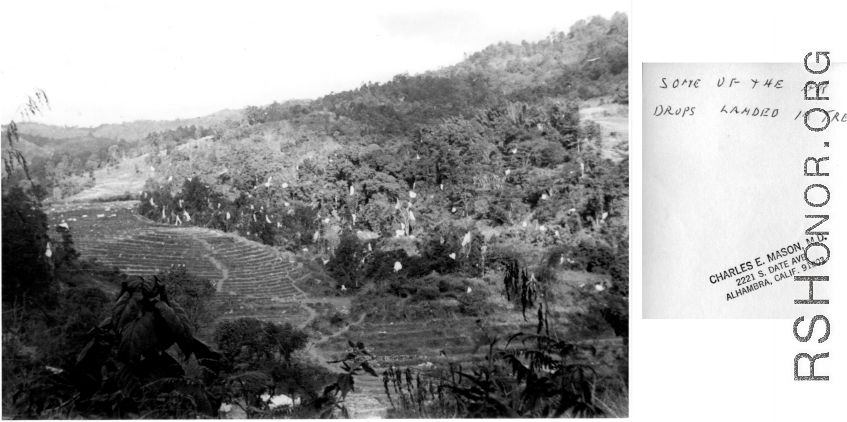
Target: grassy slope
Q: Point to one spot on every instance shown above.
(614, 120)
(117, 180)
(114, 181)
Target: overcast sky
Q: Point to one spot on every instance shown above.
(108, 63)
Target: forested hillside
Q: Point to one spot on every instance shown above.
(463, 149)
(471, 222)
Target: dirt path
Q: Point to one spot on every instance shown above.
(223, 268)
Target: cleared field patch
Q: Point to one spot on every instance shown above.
(613, 120)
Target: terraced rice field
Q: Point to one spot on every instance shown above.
(430, 347)
(256, 279)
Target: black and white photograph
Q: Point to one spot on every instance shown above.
(302, 210)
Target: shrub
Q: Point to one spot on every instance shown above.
(450, 285)
(380, 267)
(195, 294)
(426, 293)
(474, 303)
(26, 270)
(346, 265)
(250, 343)
(83, 308)
(299, 226)
(337, 319)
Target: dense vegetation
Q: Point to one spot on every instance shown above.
(471, 191)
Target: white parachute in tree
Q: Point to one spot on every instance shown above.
(251, 207)
(284, 185)
(453, 210)
(49, 252)
(508, 171)
(466, 239)
(417, 157)
(64, 225)
(352, 190)
(411, 216)
(442, 186)
(524, 223)
(469, 289)
(285, 203)
(542, 228)
(398, 266)
(453, 255)
(557, 233)
(544, 196)
(354, 218)
(605, 214)
(412, 194)
(54, 370)
(599, 287)
(326, 220)
(227, 215)
(267, 219)
(278, 225)
(514, 150)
